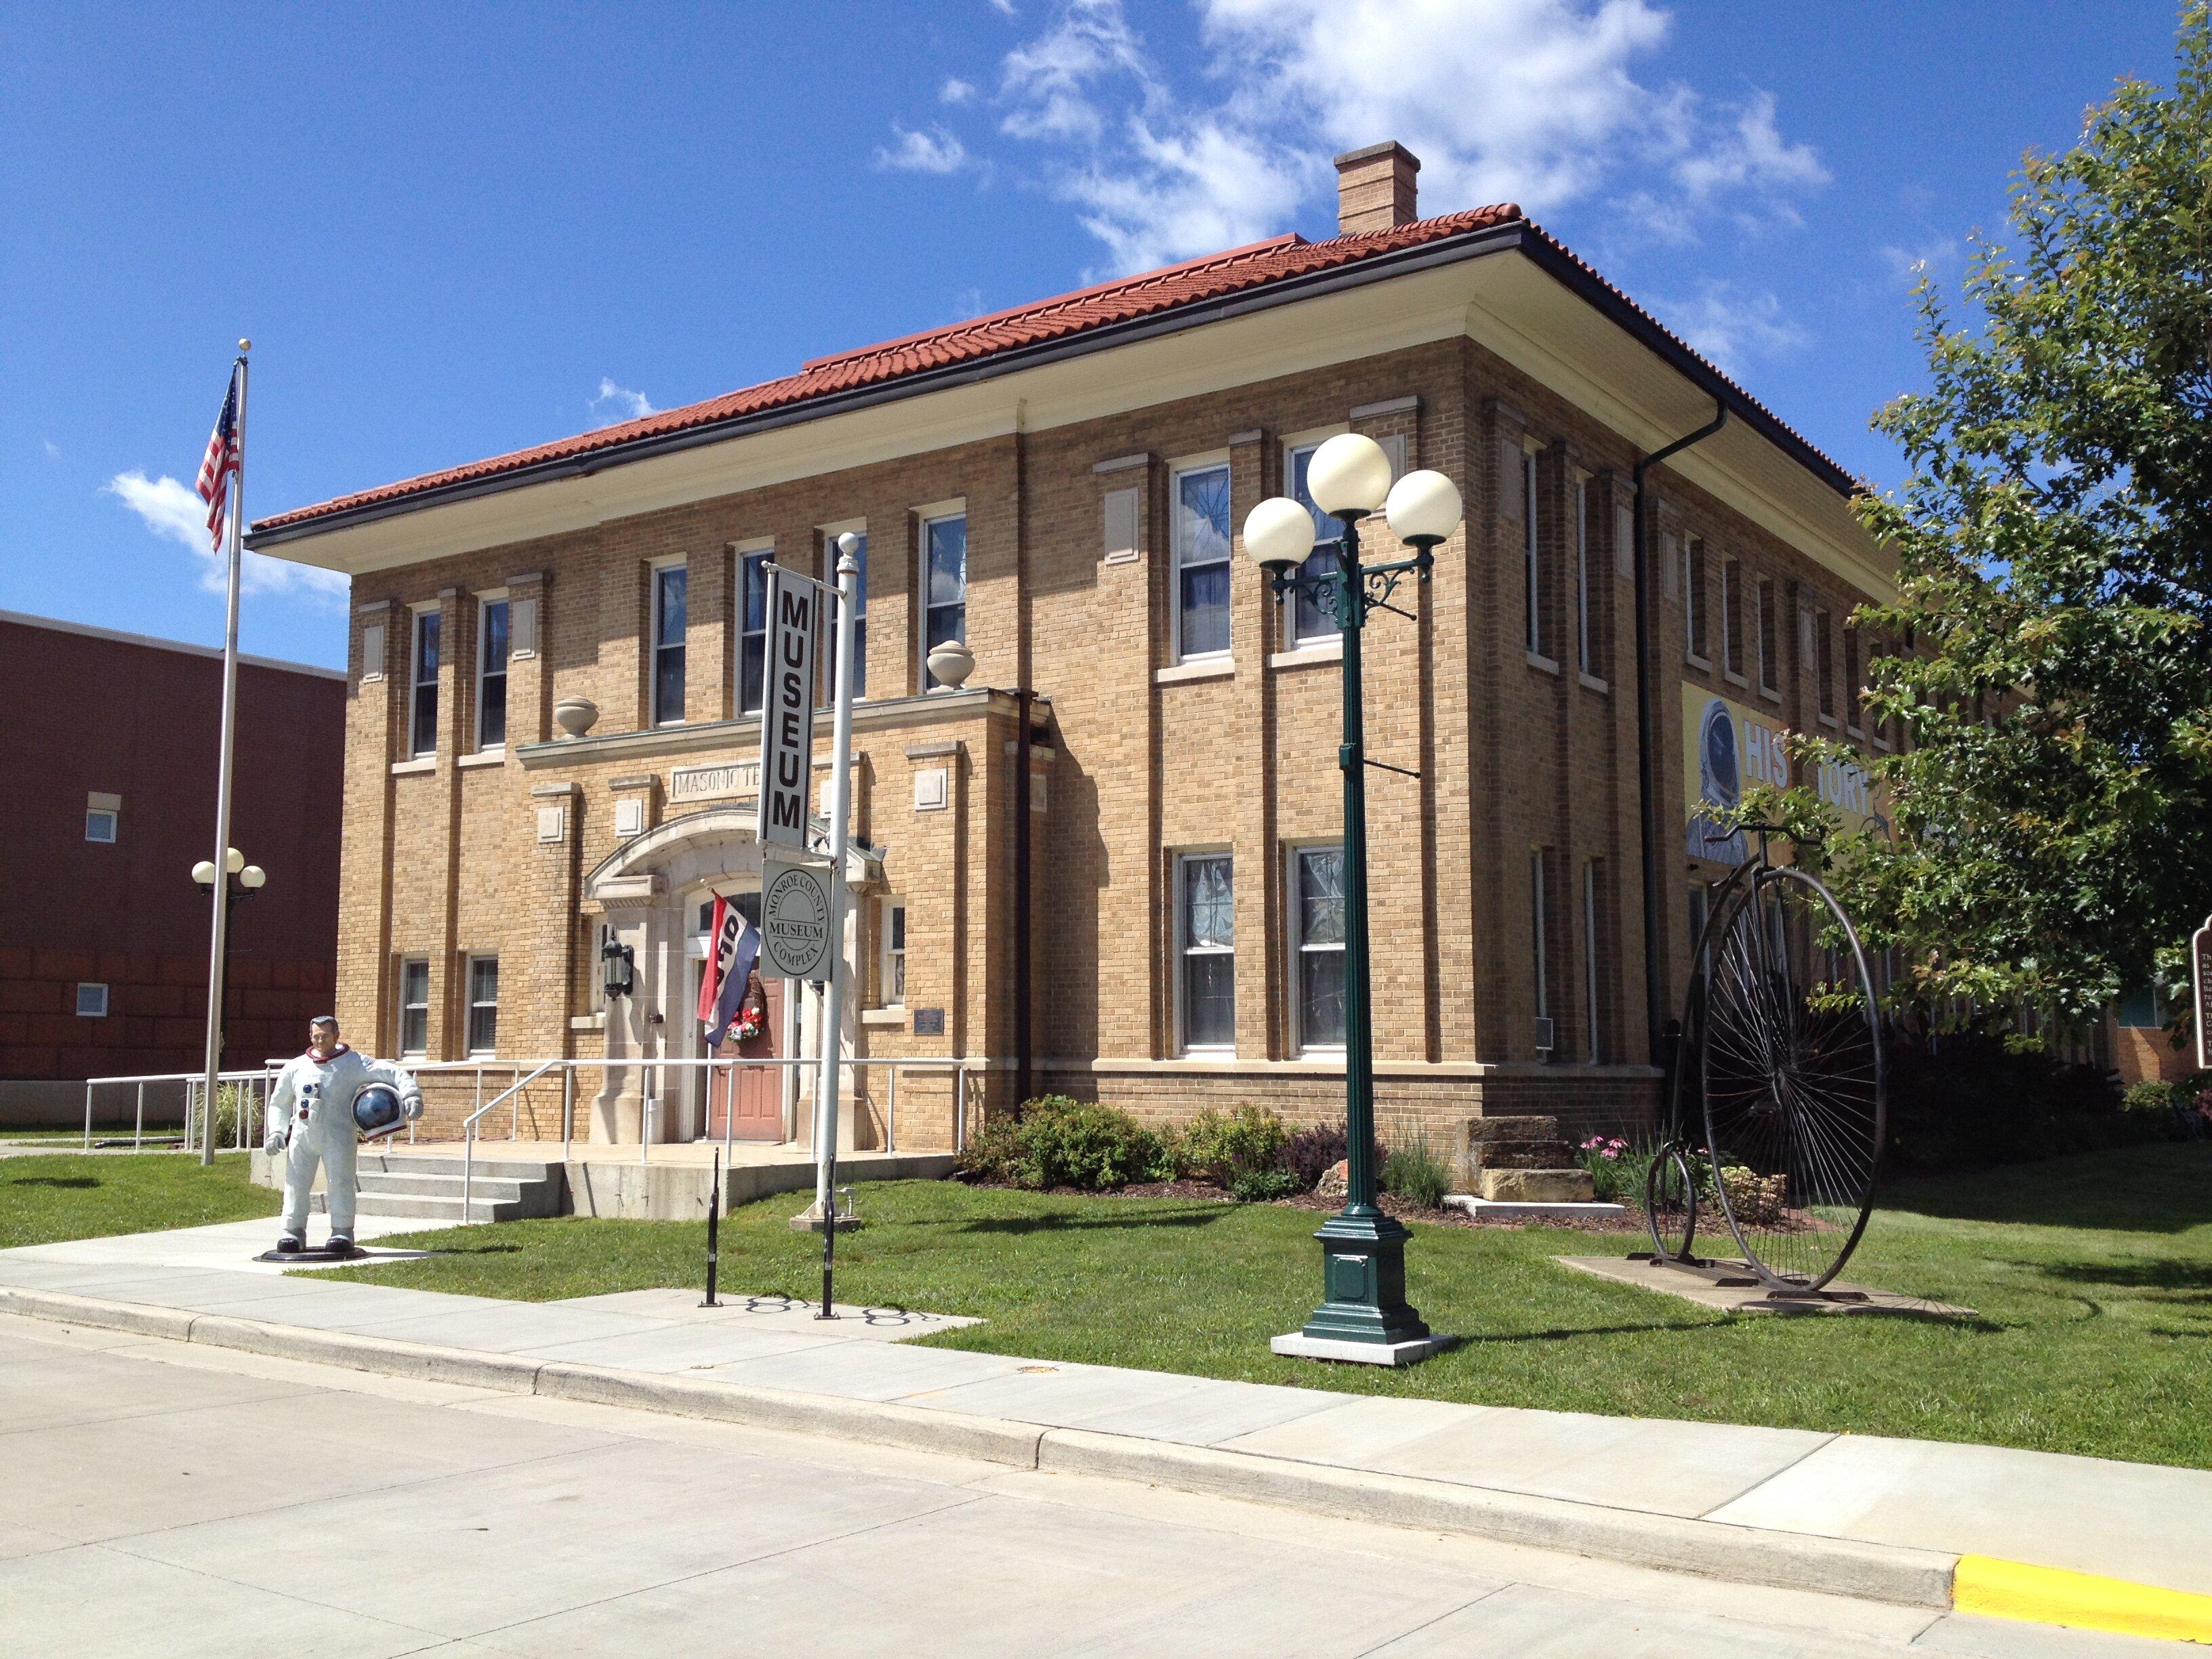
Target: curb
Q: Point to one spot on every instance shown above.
(2081, 1601)
(1712, 1549)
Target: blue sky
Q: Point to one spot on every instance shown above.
(455, 230)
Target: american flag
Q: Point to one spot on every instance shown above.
(221, 462)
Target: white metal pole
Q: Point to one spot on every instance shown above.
(219, 933)
(841, 790)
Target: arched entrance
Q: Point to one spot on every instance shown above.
(651, 892)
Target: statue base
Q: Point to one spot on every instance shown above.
(322, 1255)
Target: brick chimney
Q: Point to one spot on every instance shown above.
(1375, 188)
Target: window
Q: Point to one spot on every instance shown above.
(1541, 956)
(1693, 598)
(1533, 618)
(670, 588)
(893, 987)
(1310, 619)
(1317, 915)
(1202, 562)
(491, 675)
(414, 1007)
(423, 723)
(752, 627)
(1206, 905)
(483, 1005)
(100, 824)
(1769, 669)
(2138, 1011)
(1594, 1050)
(1585, 653)
(1824, 666)
(944, 566)
(1853, 693)
(1732, 616)
(92, 1001)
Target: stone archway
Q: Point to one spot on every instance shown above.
(644, 890)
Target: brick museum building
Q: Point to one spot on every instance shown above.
(110, 761)
(552, 735)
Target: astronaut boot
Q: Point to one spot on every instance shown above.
(341, 1245)
(289, 1245)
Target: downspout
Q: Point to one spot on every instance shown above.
(1022, 904)
(1647, 766)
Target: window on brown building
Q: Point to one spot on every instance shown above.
(1770, 666)
(422, 712)
(1732, 616)
(1694, 641)
(1824, 664)
(1532, 572)
(1205, 911)
(752, 627)
(413, 1007)
(1317, 916)
(671, 599)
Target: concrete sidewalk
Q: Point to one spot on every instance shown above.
(1859, 1515)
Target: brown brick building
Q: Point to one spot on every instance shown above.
(109, 755)
(1065, 485)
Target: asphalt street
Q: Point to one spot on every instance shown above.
(164, 1498)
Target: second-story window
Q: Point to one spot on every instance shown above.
(1770, 670)
(1693, 598)
(1585, 622)
(1202, 562)
(491, 675)
(752, 627)
(423, 716)
(1732, 616)
(860, 674)
(1824, 666)
(945, 572)
(1310, 618)
(1533, 612)
(671, 585)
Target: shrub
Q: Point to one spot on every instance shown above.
(992, 1151)
(1964, 1099)
(1617, 1168)
(1311, 1153)
(1245, 1142)
(1418, 1176)
(2152, 1095)
(1261, 1186)
(1081, 1143)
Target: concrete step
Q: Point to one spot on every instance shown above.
(440, 1186)
(409, 1206)
(508, 1169)
(1535, 1186)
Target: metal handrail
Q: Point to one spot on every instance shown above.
(469, 1130)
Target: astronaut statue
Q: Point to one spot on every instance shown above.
(324, 1102)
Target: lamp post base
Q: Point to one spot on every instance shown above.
(1298, 1345)
(1364, 1277)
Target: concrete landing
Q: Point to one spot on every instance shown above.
(1757, 1298)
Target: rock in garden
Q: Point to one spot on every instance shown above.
(1336, 1181)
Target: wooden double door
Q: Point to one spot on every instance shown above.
(746, 1102)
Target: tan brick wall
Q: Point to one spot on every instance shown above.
(1513, 755)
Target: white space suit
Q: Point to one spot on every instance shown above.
(310, 1118)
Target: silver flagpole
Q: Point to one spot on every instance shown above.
(841, 811)
(219, 934)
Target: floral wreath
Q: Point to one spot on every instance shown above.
(752, 1016)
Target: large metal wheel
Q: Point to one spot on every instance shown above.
(1785, 1037)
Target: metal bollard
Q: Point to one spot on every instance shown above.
(714, 1232)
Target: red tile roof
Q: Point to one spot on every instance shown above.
(1066, 316)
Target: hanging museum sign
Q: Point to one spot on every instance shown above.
(1727, 748)
(2200, 974)
(787, 765)
(796, 921)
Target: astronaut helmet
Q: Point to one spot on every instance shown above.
(377, 1111)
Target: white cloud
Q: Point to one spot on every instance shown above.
(968, 302)
(1004, 8)
(53, 449)
(1733, 327)
(1936, 254)
(932, 149)
(615, 404)
(1530, 100)
(955, 91)
(175, 513)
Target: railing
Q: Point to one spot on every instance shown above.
(260, 1082)
(195, 1085)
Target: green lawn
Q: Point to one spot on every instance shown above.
(45, 1198)
(2090, 1276)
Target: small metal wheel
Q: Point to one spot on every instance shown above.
(1788, 1060)
(1670, 1204)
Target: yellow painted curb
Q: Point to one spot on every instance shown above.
(2082, 1600)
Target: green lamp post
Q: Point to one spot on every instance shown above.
(1364, 1315)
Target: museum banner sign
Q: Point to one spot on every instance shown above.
(786, 762)
(1727, 748)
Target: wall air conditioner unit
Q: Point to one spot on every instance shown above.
(1544, 1035)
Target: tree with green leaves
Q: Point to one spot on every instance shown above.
(2049, 651)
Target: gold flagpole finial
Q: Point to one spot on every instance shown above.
(245, 345)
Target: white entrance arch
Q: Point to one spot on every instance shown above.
(646, 889)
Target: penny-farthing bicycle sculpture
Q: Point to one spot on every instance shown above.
(1777, 1118)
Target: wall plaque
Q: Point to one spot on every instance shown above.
(929, 1022)
(736, 780)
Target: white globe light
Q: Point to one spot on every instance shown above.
(233, 860)
(1279, 533)
(1423, 506)
(203, 872)
(252, 877)
(1349, 474)
(848, 543)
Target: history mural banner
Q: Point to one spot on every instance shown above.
(1727, 748)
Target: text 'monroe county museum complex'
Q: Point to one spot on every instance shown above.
(552, 735)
